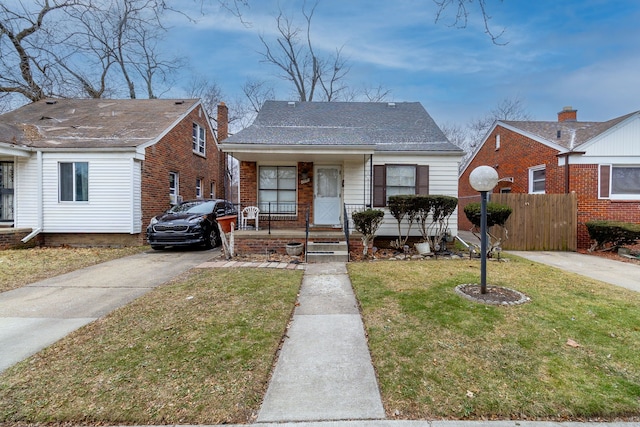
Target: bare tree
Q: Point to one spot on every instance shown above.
(294, 54)
(85, 48)
(21, 32)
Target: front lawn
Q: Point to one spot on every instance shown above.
(570, 353)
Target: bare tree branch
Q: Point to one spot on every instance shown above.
(462, 15)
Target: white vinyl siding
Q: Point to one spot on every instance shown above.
(111, 188)
(26, 193)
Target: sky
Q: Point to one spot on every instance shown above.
(551, 54)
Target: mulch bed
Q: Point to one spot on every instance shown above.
(494, 295)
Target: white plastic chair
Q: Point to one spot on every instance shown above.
(248, 214)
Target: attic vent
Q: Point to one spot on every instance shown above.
(559, 134)
(291, 103)
(51, 102)
(179, 102)
(391, 104)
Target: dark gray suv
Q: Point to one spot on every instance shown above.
(190, 223)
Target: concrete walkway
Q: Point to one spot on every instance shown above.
(324, 370)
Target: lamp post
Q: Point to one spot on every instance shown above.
(483, 179)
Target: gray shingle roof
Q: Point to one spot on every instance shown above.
(584, 131)
(91, 123)
(402, 126)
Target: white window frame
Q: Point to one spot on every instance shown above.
(532, 181)
(621, 196)
(198, 188)
(198, 137)
(174, 187)
(279, 190)
(74, 182)
(497, 142)
(401, 188)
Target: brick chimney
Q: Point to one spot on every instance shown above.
(223, 122)
(568, 114)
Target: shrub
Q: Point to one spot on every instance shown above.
(497, 214)
(367, 222)
(615, 233)
(401, 207)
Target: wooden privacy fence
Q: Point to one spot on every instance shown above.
(539, 222)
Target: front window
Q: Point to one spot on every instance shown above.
(198, 139)
(537, 179)
(625, 181)
(74, 181)
(277, 189)
(401, 180)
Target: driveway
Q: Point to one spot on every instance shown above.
(37, 315)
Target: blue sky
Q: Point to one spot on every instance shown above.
(582, 53)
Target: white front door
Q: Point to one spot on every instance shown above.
(327, 195)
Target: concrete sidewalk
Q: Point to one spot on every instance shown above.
(324, 370)
(37, 315)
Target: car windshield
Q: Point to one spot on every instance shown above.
(193, 208)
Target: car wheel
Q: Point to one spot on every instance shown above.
(157, 247)
(213, 239)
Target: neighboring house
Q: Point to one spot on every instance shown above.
(599, 161)
(325, 156)
(94, 171)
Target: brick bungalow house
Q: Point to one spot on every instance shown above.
(330, 158)
(94, 171)
(599, 161)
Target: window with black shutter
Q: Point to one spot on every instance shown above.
(392, 179)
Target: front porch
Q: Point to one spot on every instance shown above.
(274, 242)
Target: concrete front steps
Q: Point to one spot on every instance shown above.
(319, 252)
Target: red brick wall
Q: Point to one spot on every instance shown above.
(584, 181)
(11, 238)
(174, 153)
(248, 183)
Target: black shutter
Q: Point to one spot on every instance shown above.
(422, 179)
(379, 185)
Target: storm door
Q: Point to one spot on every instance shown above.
(6, 191)
(327, 197)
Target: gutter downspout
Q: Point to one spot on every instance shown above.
(38, 229)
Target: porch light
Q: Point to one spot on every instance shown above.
(483, 179)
